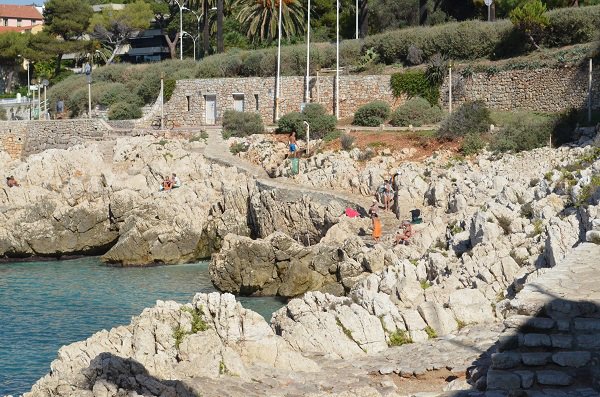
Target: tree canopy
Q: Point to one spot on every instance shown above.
(114, 27)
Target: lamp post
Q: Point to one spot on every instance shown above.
(181, 7)
(198, 19)
(277, 86)
(306, 94)
(337, 59)
(194, 38)
(357, 11)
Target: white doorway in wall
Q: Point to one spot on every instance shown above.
(210, 115)
(238, 102)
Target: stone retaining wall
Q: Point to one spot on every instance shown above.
(22, 138)
(544, 90)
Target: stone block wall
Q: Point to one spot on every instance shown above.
(22, 138)
(543, 90)
(188, 102)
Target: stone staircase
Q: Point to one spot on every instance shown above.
(552, 346)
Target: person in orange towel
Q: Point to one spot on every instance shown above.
(376, 227)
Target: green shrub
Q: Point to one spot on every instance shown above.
(573, 25)
(240, 124)
(116, 92)
(530, 19)
(588, 191)
(469, 118)
(416, 111)
(519, 135)
(472, 144)
(431, 334)
(414, 83)
(292, 122)
(347, 141)
(320, 122)
(124, 111)
(373, 114)
(399, 338)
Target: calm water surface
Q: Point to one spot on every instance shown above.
(45, 305)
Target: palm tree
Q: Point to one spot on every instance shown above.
(259, 17)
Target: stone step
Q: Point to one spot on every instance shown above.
(527, 378)
(515, 359)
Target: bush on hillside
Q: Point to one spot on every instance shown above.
(519, 135)
(469, 118)
(320, 122)
(416, 111)
(571, 25)
(240, 124)
(373, 114)
(472, 144)
(115, 92)
(292, 122)
(563, 128)
(124, 111)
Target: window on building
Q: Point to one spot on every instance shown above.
(238, 102)
(188, 102)
(256, 101)
(19, 22)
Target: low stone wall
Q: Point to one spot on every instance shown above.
(543, 90)
(22, 138)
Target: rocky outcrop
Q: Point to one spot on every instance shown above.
(167, 345)
(278, 265)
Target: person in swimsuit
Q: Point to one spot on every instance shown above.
(293, 145)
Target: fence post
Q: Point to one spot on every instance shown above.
(590, 93)
(450, 89)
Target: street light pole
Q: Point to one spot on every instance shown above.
(356, 33)
(181, 7)
(337, 59)
(306, 94)
(277, 86)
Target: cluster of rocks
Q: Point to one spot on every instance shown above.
(493, 225)
(104, 198)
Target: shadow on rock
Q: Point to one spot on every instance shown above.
(550, 347)
(112, 375)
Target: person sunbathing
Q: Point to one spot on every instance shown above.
(11, 181)
(404, 233)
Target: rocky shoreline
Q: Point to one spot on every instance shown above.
(492, 226)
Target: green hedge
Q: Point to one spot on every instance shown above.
(416, 111)
(469, 118)
(124, 111)
(320, 122)
(478, 39)
(373, 114)
(240, 124)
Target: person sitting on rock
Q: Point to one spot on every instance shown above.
(166, 184)
(404, 234)
(11, 181)
(175, 181)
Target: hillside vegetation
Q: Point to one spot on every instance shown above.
(459, 41)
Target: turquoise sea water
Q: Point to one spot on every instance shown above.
(45, 305)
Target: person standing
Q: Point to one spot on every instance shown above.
(376, 227)
(293, 145)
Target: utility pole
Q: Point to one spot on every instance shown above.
(337, 59)
(278, 85)
(306, 93)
